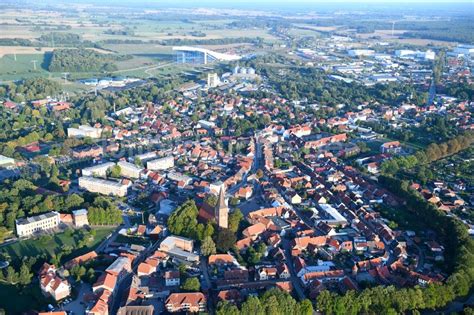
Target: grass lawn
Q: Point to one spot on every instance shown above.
(35, 247)
(23, 66)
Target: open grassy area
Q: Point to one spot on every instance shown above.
(35, 247)
(23, 65)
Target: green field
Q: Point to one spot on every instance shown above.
(35, 247)
(23, 66)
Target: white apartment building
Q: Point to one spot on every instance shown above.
(102, 186)
(97, 170)
(160, 164)
(129, 170)
(146, 156)
(84, 131)
(43, 222)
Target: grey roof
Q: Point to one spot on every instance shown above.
(36, 218)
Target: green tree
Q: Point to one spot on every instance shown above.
(3, 233)
(115, 171)
(208, 247)
(73, 201)
(253, 306)
(306, 307)
(12, 275)
(234, 220)
(25, 275)
(226, 308)
(78, 272)
(191, 284)
(225, 240)
(183, 220)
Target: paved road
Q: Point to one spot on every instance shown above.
(75, 306)
(204, 270)
(124, 284)
(294, 278)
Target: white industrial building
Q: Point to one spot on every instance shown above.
(361, 52)
(415, 54)
(463, 50)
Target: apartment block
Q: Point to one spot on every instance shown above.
(129, 170)
(160, 164)
(84, 131)
(97, 170)
(102, 186)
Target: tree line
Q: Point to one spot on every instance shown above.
(272, 302)
(432, 153)
(47, 40)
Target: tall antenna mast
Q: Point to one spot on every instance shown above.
(34, 63)
(393, 27)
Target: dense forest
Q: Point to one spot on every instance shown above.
(81, 60)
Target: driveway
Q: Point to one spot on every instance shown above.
(75, 306)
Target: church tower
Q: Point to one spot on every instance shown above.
(222, 211)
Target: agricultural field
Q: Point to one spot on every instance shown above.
(108, 34)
